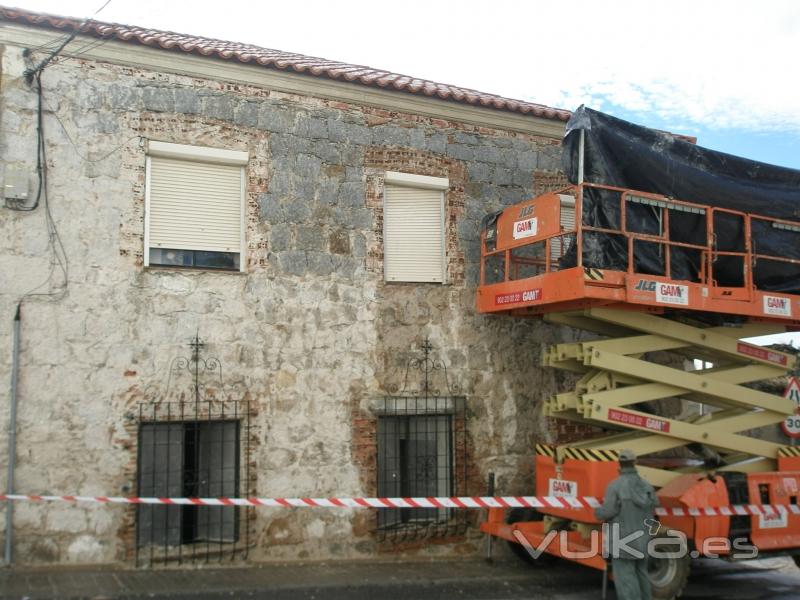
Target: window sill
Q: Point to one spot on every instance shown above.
(177, 269)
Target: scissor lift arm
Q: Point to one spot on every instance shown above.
(617, 377)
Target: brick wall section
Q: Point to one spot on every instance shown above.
(466, 481)
(378, 160)
(201, 131)
(363, 446)
(548, 181)
(565, 431)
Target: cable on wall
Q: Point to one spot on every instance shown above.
(58, 260)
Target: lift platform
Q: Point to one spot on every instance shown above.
(535, 259)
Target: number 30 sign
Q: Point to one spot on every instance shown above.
(791, 425)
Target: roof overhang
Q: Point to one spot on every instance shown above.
(217, 69)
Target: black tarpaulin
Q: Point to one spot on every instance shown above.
(621, 154)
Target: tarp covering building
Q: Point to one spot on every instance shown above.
(619, 153)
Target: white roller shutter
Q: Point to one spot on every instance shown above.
(413, 234)
(194, 205)
(567, 224)
(567, 212)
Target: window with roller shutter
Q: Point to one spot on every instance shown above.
(194, 207)
(560, 245)
(413, 220)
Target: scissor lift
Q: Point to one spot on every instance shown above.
(615, 377)
(689, 426)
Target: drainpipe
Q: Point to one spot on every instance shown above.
(12, 439)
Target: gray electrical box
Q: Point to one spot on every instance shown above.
(15, 184)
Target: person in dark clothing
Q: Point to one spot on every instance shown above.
(629, 502)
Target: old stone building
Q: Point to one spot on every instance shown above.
(314, 225)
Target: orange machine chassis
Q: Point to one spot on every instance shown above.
(691, 491)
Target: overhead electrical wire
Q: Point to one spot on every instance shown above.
(41, 66)
(88, 47)
(58, 255)
(82, 156)
(59, 260)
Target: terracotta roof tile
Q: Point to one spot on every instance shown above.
(285, 61)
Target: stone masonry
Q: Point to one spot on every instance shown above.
(310, 328)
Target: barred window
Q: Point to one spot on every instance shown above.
(421, 453)
(196, 459)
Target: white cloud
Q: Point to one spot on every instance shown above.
(719, 65)
(716, 64)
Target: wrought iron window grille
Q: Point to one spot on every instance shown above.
(193, 440)
(421, 451)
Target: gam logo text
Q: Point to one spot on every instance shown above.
(513, 297)
(775, 305)
(666, 293)
(525, 228)
(671, 290)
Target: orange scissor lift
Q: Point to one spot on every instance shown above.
(689, 427)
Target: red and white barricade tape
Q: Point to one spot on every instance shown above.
(460, 502)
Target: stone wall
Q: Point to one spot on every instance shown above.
(310, 327)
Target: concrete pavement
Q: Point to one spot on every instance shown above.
(465, 579)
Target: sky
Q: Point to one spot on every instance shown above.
(724, 72)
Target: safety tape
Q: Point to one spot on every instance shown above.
(466, 502)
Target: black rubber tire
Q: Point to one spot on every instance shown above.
(796, 558)
(668, 576)
(517, 515)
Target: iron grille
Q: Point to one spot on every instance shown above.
(422, 451)
(193, 442)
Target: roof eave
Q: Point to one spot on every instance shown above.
(135, 36)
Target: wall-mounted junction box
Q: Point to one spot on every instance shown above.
(15, 184)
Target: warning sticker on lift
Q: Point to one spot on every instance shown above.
(514, 297)
(562, 488)
(774, 305)
(669, 293)
(761, 353)
(773, 520)
(652, 423)
(791, 425)
(525, 228)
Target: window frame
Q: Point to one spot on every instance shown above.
(197, 154)
(389, 528)
(425, 182)
(185, 519)
(405, 427)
